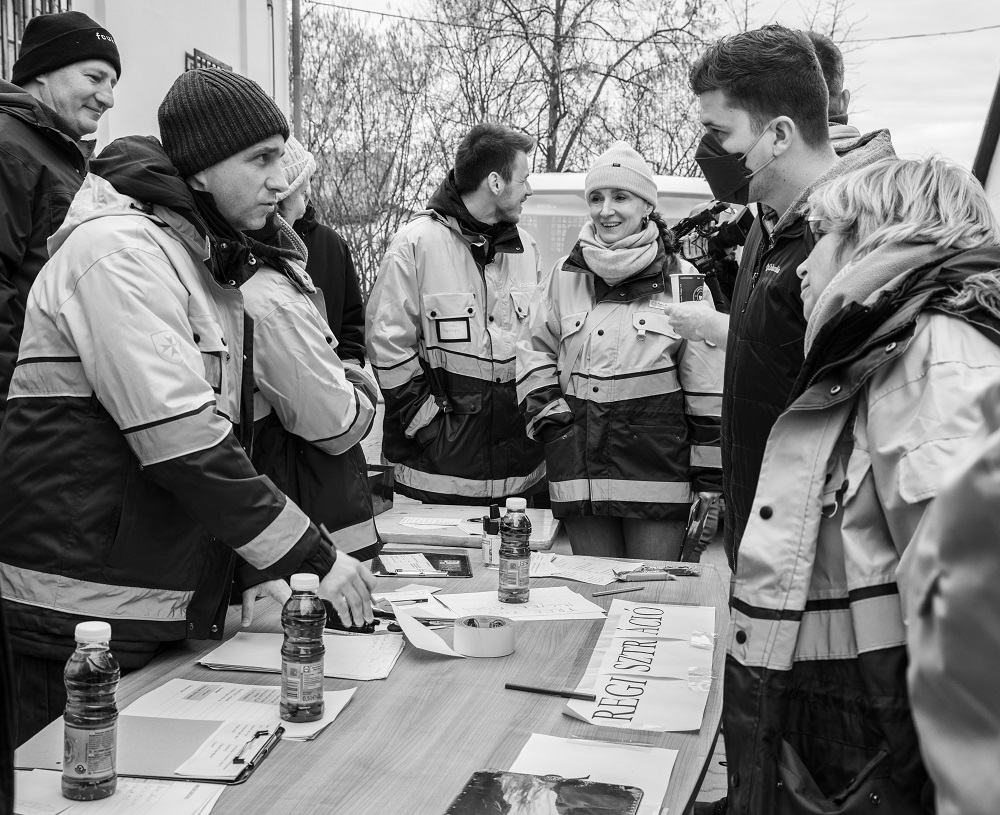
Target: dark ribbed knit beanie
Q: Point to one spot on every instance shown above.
(209, 115)
(54, 41)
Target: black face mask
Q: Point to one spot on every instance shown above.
(726, 173)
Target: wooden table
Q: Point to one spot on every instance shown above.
(406, 745)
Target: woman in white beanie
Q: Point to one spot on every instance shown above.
(628, 411)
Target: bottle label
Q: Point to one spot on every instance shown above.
(302, 682)
(89, 754)
(513, 572)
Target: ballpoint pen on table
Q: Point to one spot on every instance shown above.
(617, 591)
(565, 694)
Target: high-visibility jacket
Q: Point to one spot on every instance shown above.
(645, 403)
(123, 490)
(441, 336)
(816, 710)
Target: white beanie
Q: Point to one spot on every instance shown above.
(620, 167)
(298, 164)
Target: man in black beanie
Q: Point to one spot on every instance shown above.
(126, 489)
(63, 81)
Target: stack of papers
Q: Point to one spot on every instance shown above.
(651, 668)
(559, 603)
(39, 792)
(418, 601)
(597, 571)
(347, 657)
(224, 701)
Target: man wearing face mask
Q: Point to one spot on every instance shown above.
(62, 83)
(764, 105)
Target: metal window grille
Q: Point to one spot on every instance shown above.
(14, 16)
(199, 59)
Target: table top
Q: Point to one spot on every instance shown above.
(544, 527)
(408, 743)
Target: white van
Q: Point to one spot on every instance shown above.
(556, 209)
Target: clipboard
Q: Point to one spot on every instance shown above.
(148, 747)
(454, 564)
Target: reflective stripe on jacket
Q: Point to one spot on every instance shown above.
(815, 674)
(645, 403)
(441, 336)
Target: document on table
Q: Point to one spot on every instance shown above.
(347, 657)
(413, 562)
(597, 571)
(649, 669)
(633, 765)
(39, 792)
(557, 603)
(227, 702)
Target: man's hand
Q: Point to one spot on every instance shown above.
(698, 321)
(277, 590)
(348, 586)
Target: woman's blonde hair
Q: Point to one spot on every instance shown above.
(930, 200)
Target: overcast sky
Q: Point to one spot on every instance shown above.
(932, 93)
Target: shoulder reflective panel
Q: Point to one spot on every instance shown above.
(86, 599)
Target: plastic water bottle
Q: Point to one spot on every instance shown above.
(91, 716)
(303, 619)
(515, 552)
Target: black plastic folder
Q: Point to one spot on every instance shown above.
(454, 564)
(526, 794)
(148, 747)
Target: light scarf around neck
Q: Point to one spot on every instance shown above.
(622, 259)
(862, 280)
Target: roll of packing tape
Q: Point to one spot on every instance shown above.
(483, 637)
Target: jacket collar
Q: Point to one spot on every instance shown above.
(17, 102)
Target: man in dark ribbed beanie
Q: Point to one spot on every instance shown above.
(209, 115)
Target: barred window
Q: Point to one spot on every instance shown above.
(199, 59)
(14, 16)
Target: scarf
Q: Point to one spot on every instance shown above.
(622, 259)
(863, 280)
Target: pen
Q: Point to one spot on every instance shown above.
(618, 591)
(406, 602)
(415, 573)
(565, 694)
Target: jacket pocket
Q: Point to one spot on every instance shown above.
(869, 791)
(449, 316)
(211, 342)
(563, 455)
(655, 322)
(520, 301)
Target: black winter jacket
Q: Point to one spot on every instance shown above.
(41, 168)
(331, 267)
(766, 331)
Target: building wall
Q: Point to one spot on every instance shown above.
(154, 35)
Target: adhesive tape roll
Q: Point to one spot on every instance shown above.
(483, 637)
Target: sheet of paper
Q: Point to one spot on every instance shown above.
(634, 765)
(422, 637)
(216, 758)
(540, 564)
(642, 704)
(38, 792)
(661, 620)
(653, 656)
(435, 522)
(412, 562)
(224, 701)
(556, 603)
(347, 657)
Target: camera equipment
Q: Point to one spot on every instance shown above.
(708, 246)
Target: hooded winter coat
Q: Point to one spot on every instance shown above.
(766, 326)
(311, 410)
(331, 267)
(644, 403)
(949, 577)
(816, 711)
(442, 326)
(124, 493)
(41, 168)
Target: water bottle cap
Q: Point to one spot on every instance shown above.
(304, 582)
(516, 504)
(93, 631)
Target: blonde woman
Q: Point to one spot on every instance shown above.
(901, 296)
